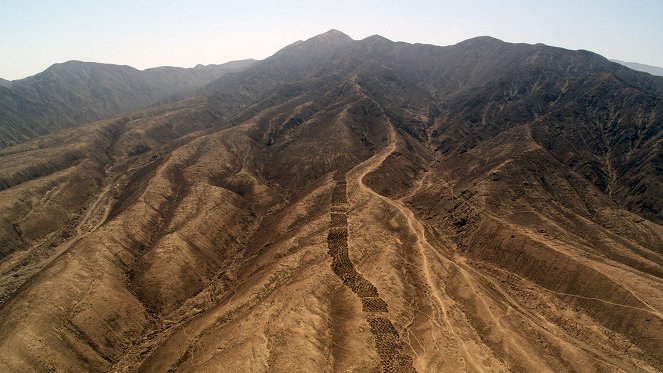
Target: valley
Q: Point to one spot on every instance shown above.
(348, 205)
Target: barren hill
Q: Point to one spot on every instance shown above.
(348, 205)
(654, 70)
(72, 93)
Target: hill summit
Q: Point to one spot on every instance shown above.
(345, 205)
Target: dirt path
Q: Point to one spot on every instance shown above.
(28, 263)
(97, 213)
(95, 216)
(388, 343)
(426, 250)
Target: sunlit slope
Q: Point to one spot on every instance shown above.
(348, 205)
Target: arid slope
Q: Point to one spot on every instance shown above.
(348, 206)
(72, 93)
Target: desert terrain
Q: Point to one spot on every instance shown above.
(348, 205)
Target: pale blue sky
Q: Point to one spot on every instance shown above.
(36, 34)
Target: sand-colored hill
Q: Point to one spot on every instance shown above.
(348, 206)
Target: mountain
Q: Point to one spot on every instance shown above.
(348, 205)
(654, 70)
(5, 83)
(71, 93)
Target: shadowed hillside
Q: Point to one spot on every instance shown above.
(74, 92)
(348, 206)
(654, 70)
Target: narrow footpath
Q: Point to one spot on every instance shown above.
(375, 310)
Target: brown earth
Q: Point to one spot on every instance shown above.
(348, 206)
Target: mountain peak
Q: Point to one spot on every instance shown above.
(376, 39)
(329, 40)
(332, 35)
(653, 70)
(522, 162)
(482, 41)
(76, 65)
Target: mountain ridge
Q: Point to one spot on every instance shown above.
(364, 206)
(75, 92)
(653, 70)
(533, 61)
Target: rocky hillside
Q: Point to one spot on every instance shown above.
(74, 92)
(348, 205)
(654, 70)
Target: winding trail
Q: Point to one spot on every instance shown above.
(40, 255)
(97, 213)
(424, 247)
(388, 343)
(431, 257)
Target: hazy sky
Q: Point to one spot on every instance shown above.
(36, 34)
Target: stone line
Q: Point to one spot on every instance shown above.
(375, 310)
